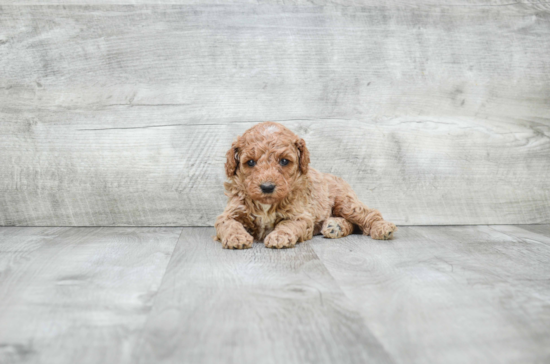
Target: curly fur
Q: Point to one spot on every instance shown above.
(305, 202)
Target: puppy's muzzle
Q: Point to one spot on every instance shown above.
(267, 187)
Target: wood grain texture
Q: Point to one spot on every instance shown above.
(78, 295)
(530, 233)
(543, 4)
(538, 229)
(449, 294)
(432, 295)
(121, 115)
(254, 306)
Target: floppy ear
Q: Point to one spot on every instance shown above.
(232, 159)
(303, 155)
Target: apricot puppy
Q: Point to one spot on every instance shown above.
(275, 197)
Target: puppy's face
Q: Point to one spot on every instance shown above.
(268, 159)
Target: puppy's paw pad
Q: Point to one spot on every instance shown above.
(382, 230)
(277, 240)
(332, 230)
(238, 241)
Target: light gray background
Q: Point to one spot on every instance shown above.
(435, 112)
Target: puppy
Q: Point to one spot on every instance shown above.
(274, 196)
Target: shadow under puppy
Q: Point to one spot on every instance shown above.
(275, 197)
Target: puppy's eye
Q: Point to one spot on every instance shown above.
(284, 162)
(251, 163)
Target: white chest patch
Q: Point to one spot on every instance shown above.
(265, 221)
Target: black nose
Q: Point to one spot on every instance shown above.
(267, 187)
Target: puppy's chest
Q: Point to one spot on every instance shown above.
(265, 221)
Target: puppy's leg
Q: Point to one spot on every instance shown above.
(232, 233)
(288, 232)
(370, 221)
(348, 206)
(336, 227)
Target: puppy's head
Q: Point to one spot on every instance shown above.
(268, 160)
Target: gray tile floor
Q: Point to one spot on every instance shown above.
(463, 294)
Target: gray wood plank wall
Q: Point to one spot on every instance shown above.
(121, 114)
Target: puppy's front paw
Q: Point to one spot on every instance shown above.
(382, 230)
(238, 241)
(279, 240)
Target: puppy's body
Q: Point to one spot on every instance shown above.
(275, 197)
